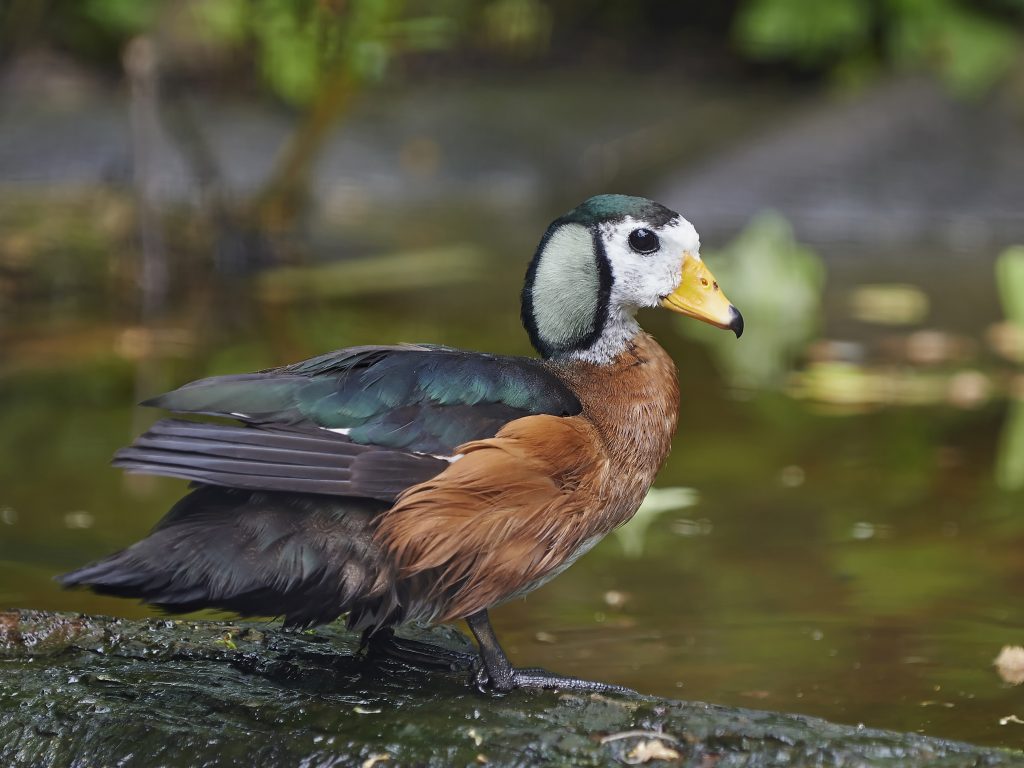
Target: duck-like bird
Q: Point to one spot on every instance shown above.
(423, 483)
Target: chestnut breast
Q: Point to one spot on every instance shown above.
(518, 508)
(633, 404)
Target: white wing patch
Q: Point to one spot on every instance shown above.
(449, 459)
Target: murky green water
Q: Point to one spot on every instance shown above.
(844, 555)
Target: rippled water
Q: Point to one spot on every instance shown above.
(846, 550)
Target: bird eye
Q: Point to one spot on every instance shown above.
(643, 241)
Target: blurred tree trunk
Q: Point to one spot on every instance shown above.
(286, 195)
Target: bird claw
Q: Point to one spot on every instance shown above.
(480, 679)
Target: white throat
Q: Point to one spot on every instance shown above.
(619, 330)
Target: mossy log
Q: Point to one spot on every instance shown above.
(89, 691)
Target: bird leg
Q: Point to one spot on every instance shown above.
(385, 643)
(497, 673)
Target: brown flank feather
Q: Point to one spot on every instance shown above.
(516, 508)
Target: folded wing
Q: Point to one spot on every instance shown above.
(366, 421)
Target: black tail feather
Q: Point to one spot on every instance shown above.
(308, 559)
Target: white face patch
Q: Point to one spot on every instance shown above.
(642, 279)
(638, 279)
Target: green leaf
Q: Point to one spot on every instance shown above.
(124, 16)
(288, 47)
(633, 535)
(1010, 281)
(224, 20)
(1010, 458)
(969, 50)
(777, 284)
(806, 30)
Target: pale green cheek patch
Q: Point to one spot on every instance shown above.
(566, 288)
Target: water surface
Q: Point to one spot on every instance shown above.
(846, 550)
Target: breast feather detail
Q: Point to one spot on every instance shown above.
(511, 510)
(518, 507)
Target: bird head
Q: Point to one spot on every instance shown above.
(607, 258)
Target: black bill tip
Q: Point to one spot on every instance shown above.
(735, 321)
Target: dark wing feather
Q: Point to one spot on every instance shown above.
(275, 460)
(422, 399)
(400, 408)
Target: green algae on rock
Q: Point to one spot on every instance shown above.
(81, 690)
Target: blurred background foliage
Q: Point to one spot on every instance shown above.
(788, 316)
(970, 44)
(317, 55)
(296, 45)
(194, 187)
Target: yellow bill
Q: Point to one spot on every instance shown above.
(699, 296)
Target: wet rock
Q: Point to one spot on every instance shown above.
(80, 690)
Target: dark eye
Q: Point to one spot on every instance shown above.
(643, 241)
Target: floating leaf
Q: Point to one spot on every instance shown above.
(889, 304)
(1010, 457)
(1010, 281)
(633, 534)
(653, 749)
(387, 273)
(1010, 664)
